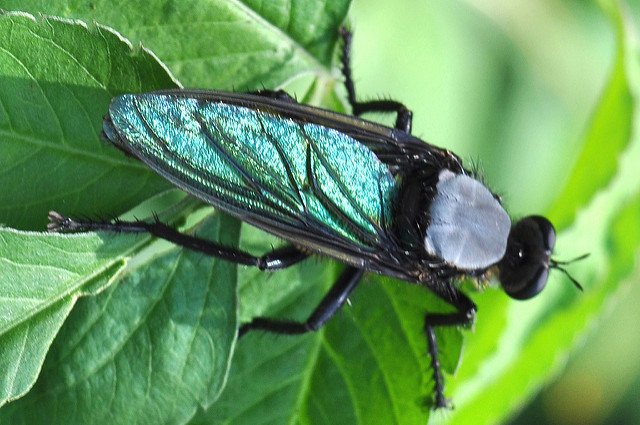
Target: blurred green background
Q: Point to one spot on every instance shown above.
(486, 78)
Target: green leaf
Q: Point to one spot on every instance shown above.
(42, 277)
(151, 349)
(56, 80)
(609, 133)
(517, 347)
(241, 45)
(367, 365)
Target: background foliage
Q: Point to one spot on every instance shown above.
(103, 328)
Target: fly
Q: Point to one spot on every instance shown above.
(373, 197)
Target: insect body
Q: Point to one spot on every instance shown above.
(376, 198)
(372, 197)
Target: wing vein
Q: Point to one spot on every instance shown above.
(379, 232)
(331, 207)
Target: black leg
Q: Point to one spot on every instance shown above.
(465, 315)
(404, 115)
(329, 305)
(277, 259)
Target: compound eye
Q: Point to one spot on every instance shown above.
(530, 288)
(547, 231)
(525, 267)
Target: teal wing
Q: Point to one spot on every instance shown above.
(304, 182)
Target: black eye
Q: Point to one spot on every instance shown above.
(524, 269)
(547, 231)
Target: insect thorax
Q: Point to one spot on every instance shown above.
(452, 219)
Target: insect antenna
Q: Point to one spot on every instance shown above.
(555, 264)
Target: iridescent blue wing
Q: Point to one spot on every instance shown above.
(400, 151)
(313, 185)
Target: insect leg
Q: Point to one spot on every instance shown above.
(465, 315)
(277, 259)
(329, 305)
(404, 115)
